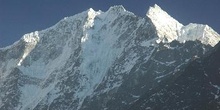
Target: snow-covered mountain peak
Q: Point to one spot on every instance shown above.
(31, 41)
(31, 37)
(166, 26)
(169, 29)
(90, 18)
(200, 32)
(94, 54)
(92, 13)
(119, 9)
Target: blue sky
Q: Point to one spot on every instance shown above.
(18, 17)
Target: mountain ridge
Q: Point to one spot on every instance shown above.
(120, 8)
(111, 57)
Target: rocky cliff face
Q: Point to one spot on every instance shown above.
(197, 87)
(99, 60)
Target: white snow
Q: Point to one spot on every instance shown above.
(215, 86)
(169, 29)
(166, 26)
(31, 41)
(33, 94)
(29, 93)
(135, 96)
(200, 32)
(37, 69)
(98, 54)
(130, 62)
(170, 62)
(119, 9)
(98, 51)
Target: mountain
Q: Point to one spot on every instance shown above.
(197, 87)
(98, 60)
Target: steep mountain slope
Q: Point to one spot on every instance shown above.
(196, 88)
(98, 60)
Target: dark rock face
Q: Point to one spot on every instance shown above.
(197, 87)
(146, 75)
(11, 92)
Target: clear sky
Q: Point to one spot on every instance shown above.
(18, 17)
